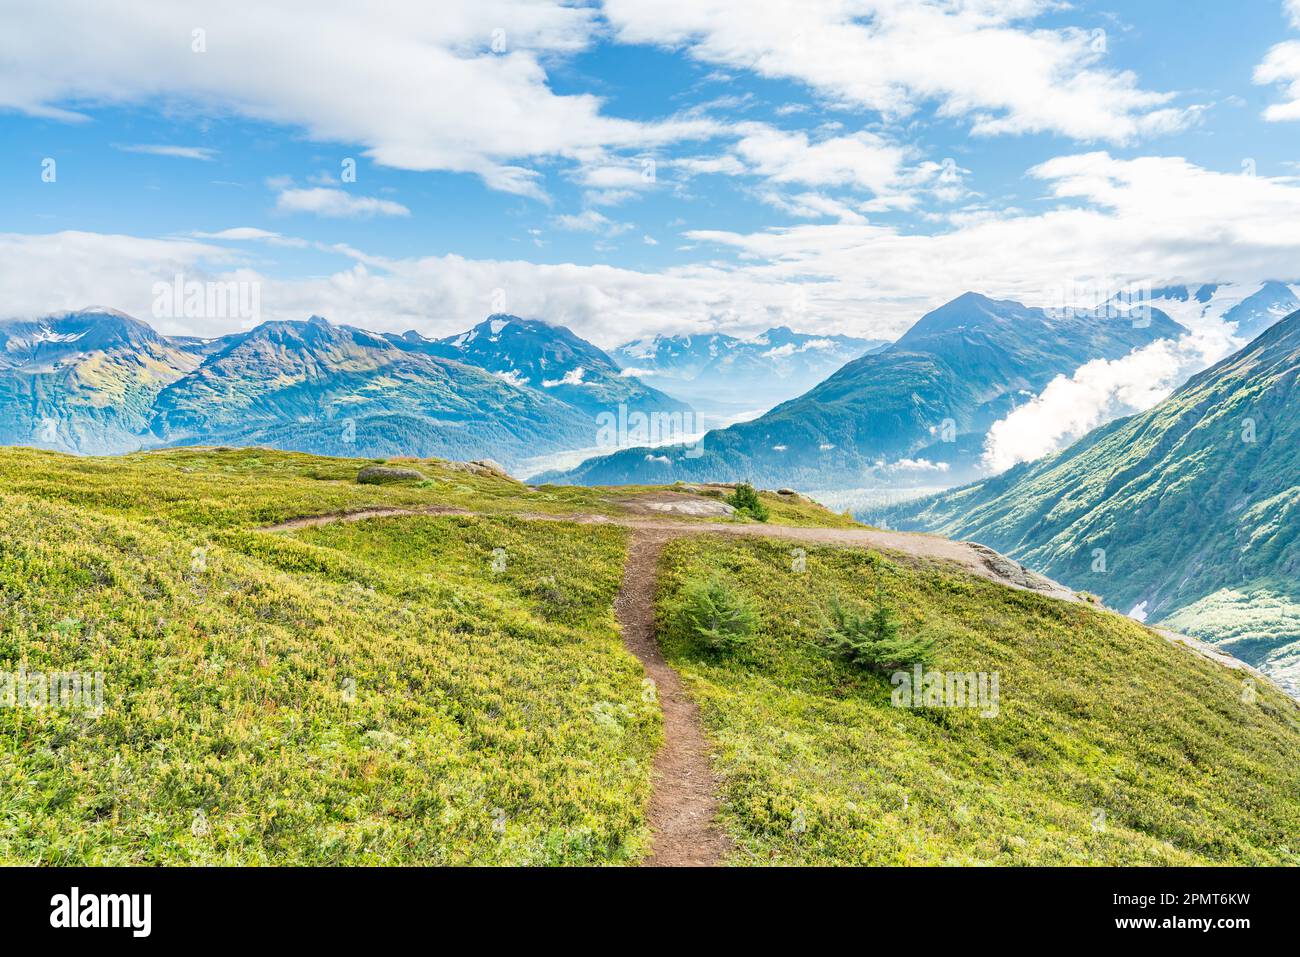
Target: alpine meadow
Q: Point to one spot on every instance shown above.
(460, 458)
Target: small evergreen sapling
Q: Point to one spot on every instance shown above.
(871, 640)
(717, 615)
(745, 501)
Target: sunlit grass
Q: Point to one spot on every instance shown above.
(410, 690)
(1110, 745)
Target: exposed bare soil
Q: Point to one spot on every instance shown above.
(684, 802)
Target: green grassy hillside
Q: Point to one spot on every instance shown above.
(315, 700)
(209, 488)
(404, 690)
(1185, 512)
(417, 689)
(1109, 746)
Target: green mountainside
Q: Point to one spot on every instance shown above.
(1109, 746)
(312, 386)
(85, 381)
(1188, 513)
(913, 410)
(100, 382)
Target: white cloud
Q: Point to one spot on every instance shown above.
(705, 165)
(1281, 66)
(976, 59)
(462, 88)
(863, 160)
(335, 203)
(513, 376)
(181, 152)
(436, 295)
(1098, 392)
(572, 377)
(1157, 219)
(242, 233)
(591, 221)
(71, 270)
(913, 465)
(811, 206)
(607, 197)
(253, 234)
(1293, 12)
(1161, 220)
(614, 174)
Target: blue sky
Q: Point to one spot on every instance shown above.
(634, 167)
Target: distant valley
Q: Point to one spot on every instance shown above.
(915, 412)
(728, 378)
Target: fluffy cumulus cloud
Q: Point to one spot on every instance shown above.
(1281, 66)
(459, 88)
(862, 160)
(1157, 220)
(983, 60)
(1097, 392)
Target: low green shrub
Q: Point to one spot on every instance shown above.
(745, 501)
(716, 615)
(870, 639)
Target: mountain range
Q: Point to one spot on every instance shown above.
(1249, 309)
(1183, 515)
(100, 382)
(915, 409)
(723, 376)
(86, 381)
(530, 353)
(913, 413)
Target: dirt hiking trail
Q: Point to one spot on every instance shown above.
(684, 803)
(971, 556)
